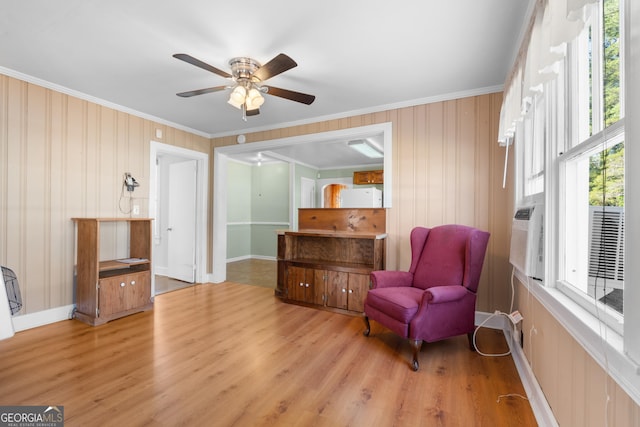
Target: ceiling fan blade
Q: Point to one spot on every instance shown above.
(193, 61)
(201, 91)
(277, 65)
(291, 95)
(253, 112)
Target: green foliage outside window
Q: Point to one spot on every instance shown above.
(606, 169)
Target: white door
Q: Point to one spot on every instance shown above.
(307, 193)
(181, 230)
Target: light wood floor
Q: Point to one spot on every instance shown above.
(234, 355)
(257, 272)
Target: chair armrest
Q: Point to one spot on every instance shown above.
(440, 294)
(390, 278)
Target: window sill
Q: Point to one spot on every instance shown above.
(602, 343)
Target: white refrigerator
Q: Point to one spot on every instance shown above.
(369, 197)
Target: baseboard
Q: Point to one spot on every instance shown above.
(245, 257)
(539, 405)
(160, 271)
(238, 258)
(41, 318)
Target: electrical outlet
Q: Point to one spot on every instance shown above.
(136, 209)
(515, 317)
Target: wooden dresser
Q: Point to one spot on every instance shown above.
(326, 263)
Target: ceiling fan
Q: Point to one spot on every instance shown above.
(247, 88)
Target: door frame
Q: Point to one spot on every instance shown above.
(221, 157)
(202, 190)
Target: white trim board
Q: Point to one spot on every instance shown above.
(44, 317)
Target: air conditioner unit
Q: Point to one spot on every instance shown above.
(527, 241)
(606, 250)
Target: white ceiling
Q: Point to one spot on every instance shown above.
(355, 56)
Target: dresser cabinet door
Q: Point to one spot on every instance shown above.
(346, 290)
(111, 296)
(306, 284)
(138, 289)
(125, 292)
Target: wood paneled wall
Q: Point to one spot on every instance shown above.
(579, 391)
(447, 168)
(63, 157)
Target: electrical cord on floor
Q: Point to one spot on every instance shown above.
(496, 313)
(511, 395)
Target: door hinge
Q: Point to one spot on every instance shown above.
(97, 312)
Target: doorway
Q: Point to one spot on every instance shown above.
(178, 163)
(307, 193)
(221, 156)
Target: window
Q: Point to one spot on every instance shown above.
(535, 135)
(591, 169)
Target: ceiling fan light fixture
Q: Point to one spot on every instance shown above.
(237, 97)
(364, 147)
(254, 99)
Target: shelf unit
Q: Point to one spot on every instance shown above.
(110, 289)
(329, 268)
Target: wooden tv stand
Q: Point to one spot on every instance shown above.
(113, 288)
(329, 268)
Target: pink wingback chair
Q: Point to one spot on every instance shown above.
(436, 298)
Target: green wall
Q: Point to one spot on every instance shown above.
(258, 204)
(258, 196)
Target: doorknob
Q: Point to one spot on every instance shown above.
(169, 229)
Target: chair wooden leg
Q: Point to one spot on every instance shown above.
(367, 326)
(472, 346)
(415, 345)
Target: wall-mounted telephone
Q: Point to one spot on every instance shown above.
(130, 182)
